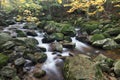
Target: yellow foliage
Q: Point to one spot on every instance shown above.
(85, 5)
(59, 1)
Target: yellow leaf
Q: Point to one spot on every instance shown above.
(59, 1)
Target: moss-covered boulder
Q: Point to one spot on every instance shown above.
(96, 37)
(3, 59)
(90, 26)
(113, 31)
(117, 68)
(58, 36)
(4, 37)
(8, 71)
(106, 44)
(81, 67)
(57, 47)
(20, 33)
(117, 39)
(39, 74)
(30, 25)
(24, 41)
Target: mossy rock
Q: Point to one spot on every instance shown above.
(3, 59)
(90, 26)
(113, 31)
(96, 37)
(20, 33)
(58, 36)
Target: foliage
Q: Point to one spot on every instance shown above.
(87, 6)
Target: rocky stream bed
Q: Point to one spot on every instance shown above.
(29, 52)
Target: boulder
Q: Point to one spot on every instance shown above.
(106, 44)
(4, 37)
(19, 61)
(96, 37)
(7, 45)
(57, 47)
(117, 68)
(8, 71)
(31, 33)
(24, 41)
(39, 74)
(67, 38)
(3, 59)
(30, 25)
(58, 36)
(48, 39)
(117, 39)
(113, 31)
(81, 67)
(20, 33)
(69, 45)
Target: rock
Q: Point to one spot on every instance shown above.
(96, 37)
(20, 33)
(30, 25)
(67, 30)
(82, 38)
(3, 59)
(57, 47)
(117, 68)
(81, 67)
(8, 71)
(117, 39)
(58, 36)
(110, 44)
(24, 41)
(48, 39)
(100, 58)
(7, 45)
(90, 26)
(67, 38)
(106, 44)
(39, 74)
(69, 45)
(31, 33)
(113, 31)
(16, 78)
(4, 37)
(37, 57)
(40, 57)
(19, 61)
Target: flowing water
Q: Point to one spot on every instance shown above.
(53, 64)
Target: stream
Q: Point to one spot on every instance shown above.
(54, 63)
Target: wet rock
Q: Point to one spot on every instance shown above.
(69, 45)
(48, 39)
(19, 61)
(30, 25)
(20, 33)
(3, 59)
(31, 33)
(57, 47)
(39, 74)
(117, 39)
(40, 57)
(58, 36)
(4, 37)
(8, 71)
(82, 37)
(117, 68)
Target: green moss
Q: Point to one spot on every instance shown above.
(90, 26)
(3, 59)
(96, 37)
